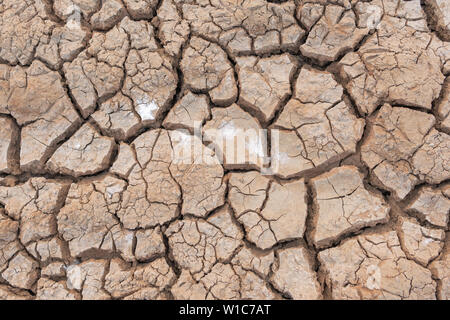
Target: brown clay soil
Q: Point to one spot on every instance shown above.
(354, 203)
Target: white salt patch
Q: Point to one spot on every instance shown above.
(111, 190)
(145, 108)
(75, 277)
(74, 17)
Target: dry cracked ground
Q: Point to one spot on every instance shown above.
(93, 95)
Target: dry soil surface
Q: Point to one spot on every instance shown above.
(354, 203)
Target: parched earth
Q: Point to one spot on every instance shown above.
(348, 198)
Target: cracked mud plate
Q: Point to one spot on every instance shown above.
(224, 149)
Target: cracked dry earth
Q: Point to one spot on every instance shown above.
(93, 95)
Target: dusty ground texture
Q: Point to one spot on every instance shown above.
(93, 95)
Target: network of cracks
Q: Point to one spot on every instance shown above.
(97, 95)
